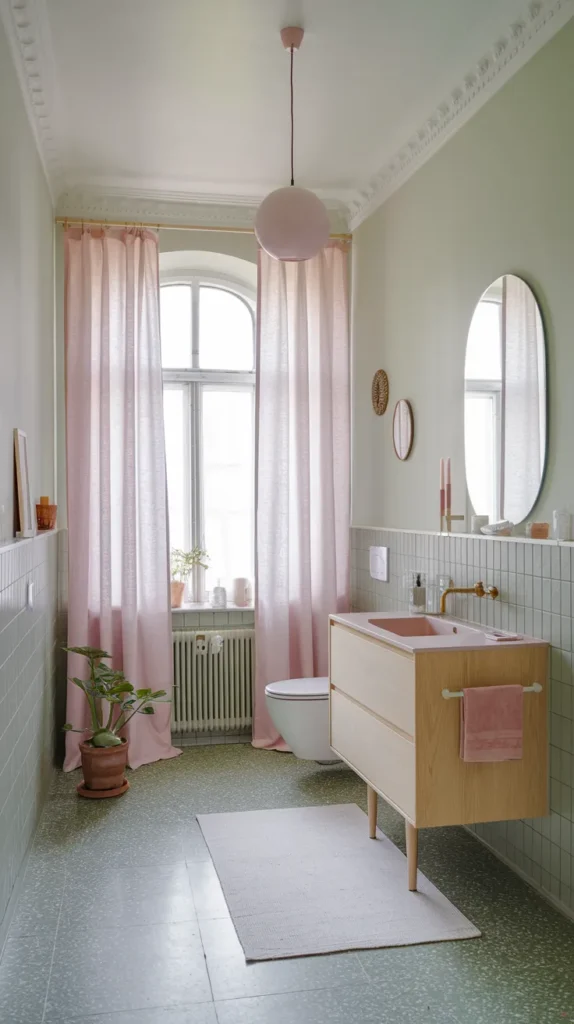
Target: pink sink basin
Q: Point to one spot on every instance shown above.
(420, 625)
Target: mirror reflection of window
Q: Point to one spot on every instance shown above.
(524, 400)
(505, 402)
(482, 405)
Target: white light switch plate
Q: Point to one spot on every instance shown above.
(379, 563)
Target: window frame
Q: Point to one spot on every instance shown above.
(194, 380)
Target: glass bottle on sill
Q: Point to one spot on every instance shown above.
(219, 596)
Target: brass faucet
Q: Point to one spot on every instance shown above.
(478, 590)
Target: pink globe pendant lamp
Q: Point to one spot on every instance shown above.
(292, 223)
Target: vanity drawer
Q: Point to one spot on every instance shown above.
(382, 756)
(373, 674)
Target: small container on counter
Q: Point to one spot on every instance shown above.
(433, 599)
(434, 591)
(477, 522)
(417, 593)
(561, 525)
(538, 531)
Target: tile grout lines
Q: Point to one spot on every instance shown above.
(199, 927)
(57, 929)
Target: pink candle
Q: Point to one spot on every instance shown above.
(442, 506)
(448, 486)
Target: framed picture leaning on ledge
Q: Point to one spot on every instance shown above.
(25, 515)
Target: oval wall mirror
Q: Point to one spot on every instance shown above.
(505, 402)
(403, 429)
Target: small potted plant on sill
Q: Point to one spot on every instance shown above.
(112, 701)
(182, 566)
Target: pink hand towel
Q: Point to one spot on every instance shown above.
(491, 723)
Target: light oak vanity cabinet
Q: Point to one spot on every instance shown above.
(390, 722)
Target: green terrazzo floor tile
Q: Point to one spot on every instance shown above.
(520, 972)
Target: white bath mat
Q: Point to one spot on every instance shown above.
(309, 880)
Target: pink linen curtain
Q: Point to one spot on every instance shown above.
(303, 469)
(118, 596)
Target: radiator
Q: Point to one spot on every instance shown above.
(213, 680)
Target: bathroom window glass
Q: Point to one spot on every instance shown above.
(207, 332)
(175, 311)
(228, 449)
(225, 331)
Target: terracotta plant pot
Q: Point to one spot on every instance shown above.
(177, 590)
(103, 769)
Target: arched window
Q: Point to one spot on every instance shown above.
(208, 359)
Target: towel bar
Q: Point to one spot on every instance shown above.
(535, 688)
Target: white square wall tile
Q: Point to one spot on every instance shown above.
(546, 561)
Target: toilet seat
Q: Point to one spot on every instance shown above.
(299, 689)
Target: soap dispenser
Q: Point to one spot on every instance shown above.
(417, 597)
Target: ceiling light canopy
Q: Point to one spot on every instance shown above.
(292, 223)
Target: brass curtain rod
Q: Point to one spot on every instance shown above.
(171, 227)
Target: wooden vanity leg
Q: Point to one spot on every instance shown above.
(412, 837)
(372, 808)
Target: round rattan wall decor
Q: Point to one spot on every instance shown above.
(380, 392)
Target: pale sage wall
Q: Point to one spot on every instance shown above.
(498, 197)
(240, 244)
(28, 636)
(26, 298)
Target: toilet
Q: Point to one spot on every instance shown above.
(299, 709)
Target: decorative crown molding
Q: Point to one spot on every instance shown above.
(28, 33)
(27, 29)
(99, 205)
(171, 191)
(542, 19)
(203, 210)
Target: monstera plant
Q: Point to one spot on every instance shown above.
(112, 702)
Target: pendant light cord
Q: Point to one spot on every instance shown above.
(292, 120)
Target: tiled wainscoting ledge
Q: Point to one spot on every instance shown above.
(536, 584)
(28, 641)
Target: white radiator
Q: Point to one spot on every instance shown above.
(213, 680)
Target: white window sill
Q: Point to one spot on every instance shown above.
(206, 607)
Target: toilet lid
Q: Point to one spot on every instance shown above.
(299, 689)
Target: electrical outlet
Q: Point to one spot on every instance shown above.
(216, 644)
(379, 563)
(200, 644)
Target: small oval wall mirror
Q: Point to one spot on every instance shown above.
(403, 429)
(505, 401)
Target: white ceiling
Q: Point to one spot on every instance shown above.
(189, 98)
